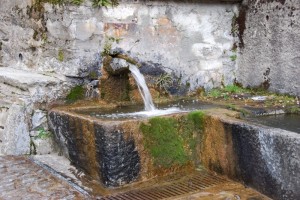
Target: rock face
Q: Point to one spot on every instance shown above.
(269, 55)
(21, 93)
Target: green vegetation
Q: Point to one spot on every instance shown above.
(234, 25)
(108, 44)
(43, 134)
(164, 81)
(236, 93)
(173, 141)
(105, 3)
(196, 117)
(77, 2)
(93, 75)
(235, 89)
(60, 55)
(233, 57)
(164, 143)
(76, 93)
(226, 91)
(293, 110)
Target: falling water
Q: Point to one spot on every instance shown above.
(144, 91)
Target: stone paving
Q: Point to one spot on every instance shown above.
(20, 178)
(50, 177)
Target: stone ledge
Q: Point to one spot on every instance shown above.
(23, 79)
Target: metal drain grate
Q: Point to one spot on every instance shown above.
(190, 184)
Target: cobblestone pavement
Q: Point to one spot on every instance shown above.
(49, 177)
(20, 178)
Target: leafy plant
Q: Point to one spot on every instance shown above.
(108, 45)
(77, 2)
(164, 81)
(43, 134)
(234, 89)
(215, 93)
(105, 3)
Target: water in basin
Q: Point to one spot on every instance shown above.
(290, 122)
(137, 111)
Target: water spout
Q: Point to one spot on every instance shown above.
(144, 91)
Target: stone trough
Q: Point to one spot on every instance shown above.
(123, 151)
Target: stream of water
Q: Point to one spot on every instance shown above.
(144, 91)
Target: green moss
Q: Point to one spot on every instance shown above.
(173, 141)
(197, 118)
(164, 143)
(93, 75)
(43, 134)
(76, 93)
(60, 55)
(233, 57)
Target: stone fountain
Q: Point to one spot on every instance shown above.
(124, 147)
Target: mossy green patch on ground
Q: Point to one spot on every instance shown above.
(172, 141)
(76, 93)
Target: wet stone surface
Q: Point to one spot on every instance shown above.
(20, 178)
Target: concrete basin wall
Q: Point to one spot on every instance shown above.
(264, 158)
(113, 152)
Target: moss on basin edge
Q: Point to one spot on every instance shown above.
(172, 141)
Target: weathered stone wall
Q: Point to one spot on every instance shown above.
(192, 40)
(58, 46)
(269, 56)
(264, 158)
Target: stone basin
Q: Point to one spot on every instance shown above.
(122, 151)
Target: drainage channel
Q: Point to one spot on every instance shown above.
(190, 184)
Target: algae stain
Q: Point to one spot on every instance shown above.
(173, 141)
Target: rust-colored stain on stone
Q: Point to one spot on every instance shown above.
(217, 151)
(119, 29)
